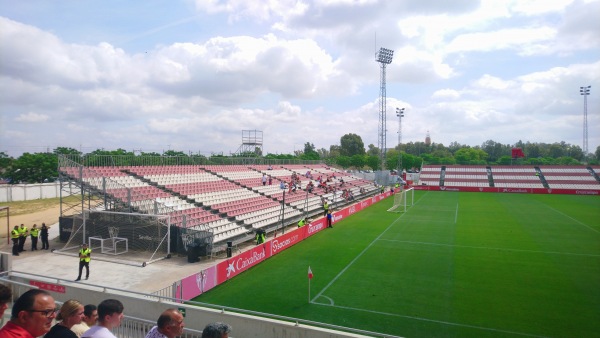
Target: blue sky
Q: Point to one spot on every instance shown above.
(191, 75)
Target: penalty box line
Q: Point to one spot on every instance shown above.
(430, 320)
(493, 248)
(355, 259)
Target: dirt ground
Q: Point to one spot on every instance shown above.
(47, 215)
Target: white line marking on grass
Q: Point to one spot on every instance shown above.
(489, 248)
(434, 321)
(356, 258)
(456, 214)
(567, 216)
(331, 302)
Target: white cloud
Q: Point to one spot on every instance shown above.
(32, 117)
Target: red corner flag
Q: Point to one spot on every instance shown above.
(310, 275)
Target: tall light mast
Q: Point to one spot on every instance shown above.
(384, 57)
(585, 91)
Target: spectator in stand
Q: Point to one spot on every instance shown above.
(5, 298)
(264, 179)
(169, 325)
(71, 313)
(310, 187)
(216, 330)
(90, 317)
(270, 180)
(270, 168)
(31, 315)
(110, 314)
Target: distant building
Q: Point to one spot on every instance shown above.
(428, 139)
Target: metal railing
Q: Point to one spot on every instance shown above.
(91, 160)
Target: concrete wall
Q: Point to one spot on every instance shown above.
(28, 192)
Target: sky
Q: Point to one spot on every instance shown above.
(191, 76)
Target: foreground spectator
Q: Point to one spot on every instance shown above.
(71, 313)
(169, 325)
(216, 330)
(110, 314)
(5, 298)
(90, 317)
(31, 315)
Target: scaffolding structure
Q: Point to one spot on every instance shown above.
(252, 143)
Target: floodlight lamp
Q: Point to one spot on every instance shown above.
(385, 55)
(400, 112)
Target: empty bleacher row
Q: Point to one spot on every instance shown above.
(230, 201)
(558, 177)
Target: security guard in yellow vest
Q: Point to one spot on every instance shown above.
(325, 208)
(22, 237)
(301, 223)
(14, 236)
(35, 233)
(84, 260)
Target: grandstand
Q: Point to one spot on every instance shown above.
(212, 206)
(528, 177)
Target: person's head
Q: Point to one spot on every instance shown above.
(22, 225)
(90, 314)
(110, 313)
(84, 245)
(5, 298)
(35, 225)
(71, 313)
(216, 330)
(16, 227)
(34, 312)
(170, 323)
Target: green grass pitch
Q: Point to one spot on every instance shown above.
(453, 265)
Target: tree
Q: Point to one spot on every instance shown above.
(5, 161)
(373, 150)
(66, 151)
(373, 162)
(34, 168)
(309, 152)
(352, 144)
(335, 151)
(357, 161)
(343, 161)
(597, 153)
(323, 153)
(470, 156)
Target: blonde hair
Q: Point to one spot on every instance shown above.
(68, 308)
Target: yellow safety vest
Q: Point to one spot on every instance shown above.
(86, 253)
(35, 232)
(23, 231)
(14, 233)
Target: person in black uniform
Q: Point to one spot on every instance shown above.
(44, 235)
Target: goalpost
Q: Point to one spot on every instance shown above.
(402, 200)
(130, 238)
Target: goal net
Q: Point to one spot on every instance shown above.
(121, 237)
(402, 200)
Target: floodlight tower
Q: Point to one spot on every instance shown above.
(384, 57)
(400, 114)
(585, 91)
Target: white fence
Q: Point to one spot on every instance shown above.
(28, 192)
